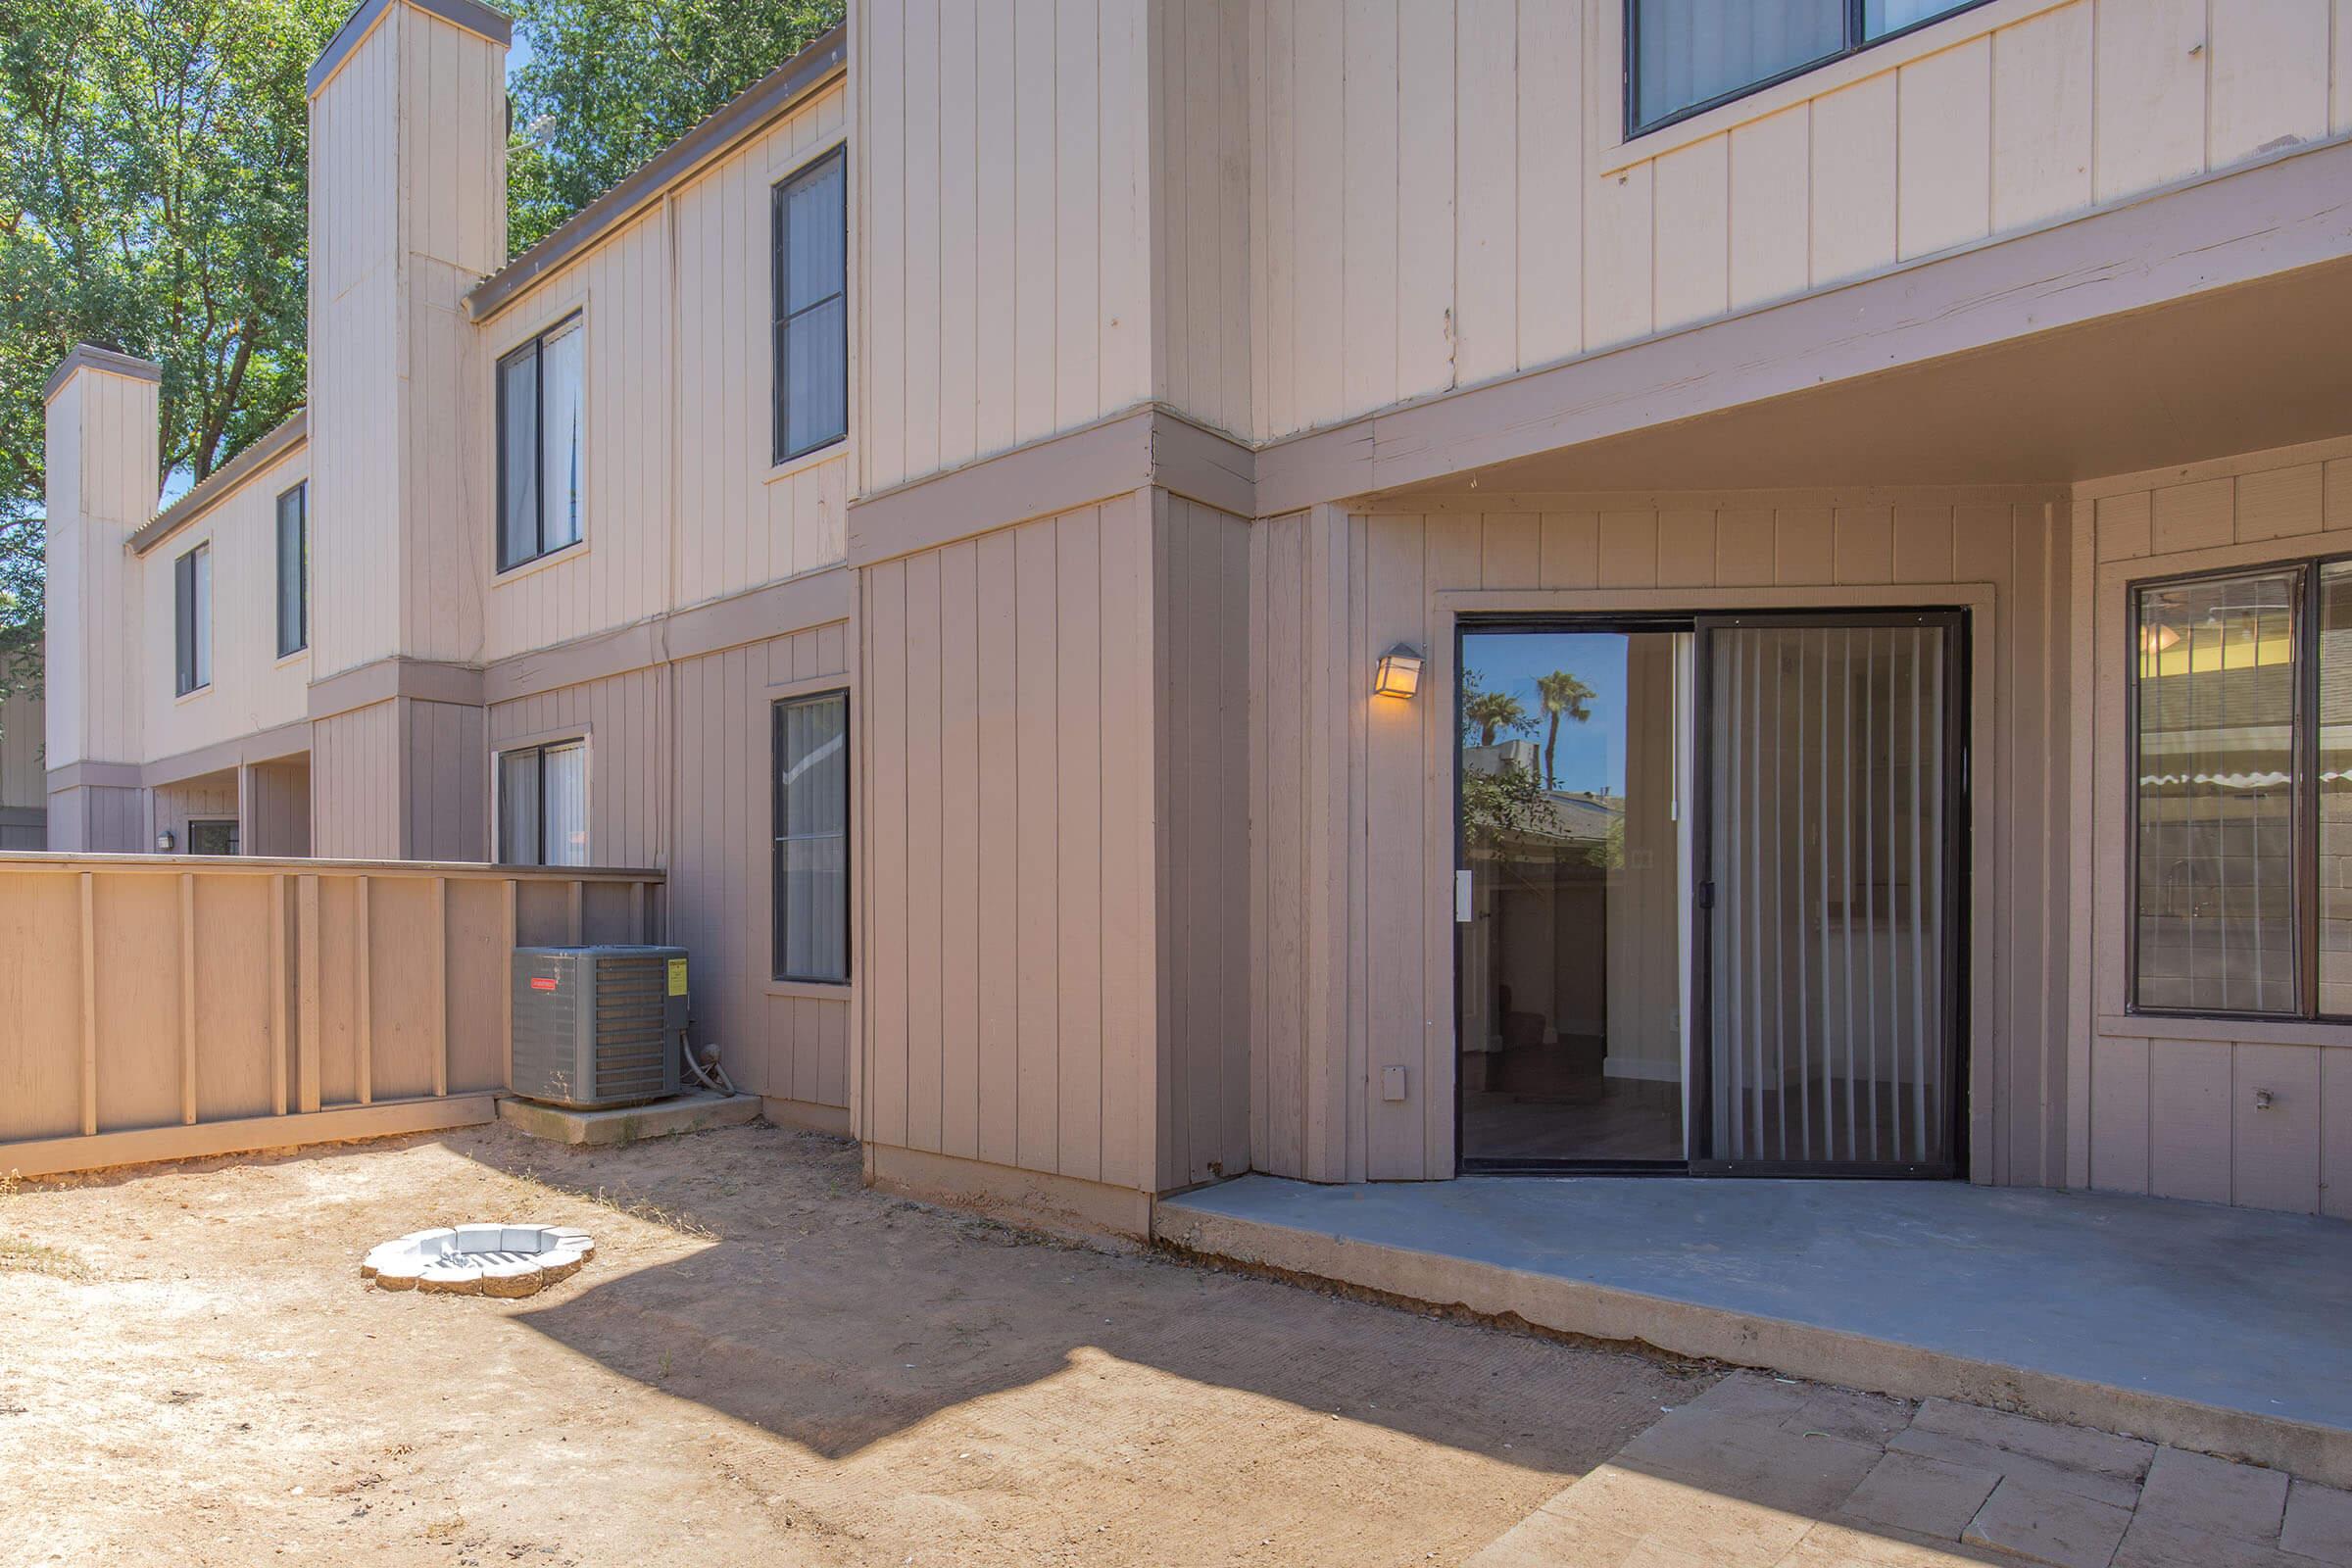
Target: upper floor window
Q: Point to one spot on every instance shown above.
(2242, 792)
(808, 230)
(541, 420)
(293, 570)
(192, 619)
(810, 749)
(543, 805)
(1684, 55)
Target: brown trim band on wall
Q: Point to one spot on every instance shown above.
(94, 775)
(262, 746)
(427, 680)
(777, 610)
(1146, 446)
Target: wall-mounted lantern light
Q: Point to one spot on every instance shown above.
(1400, 673)
(164, 842)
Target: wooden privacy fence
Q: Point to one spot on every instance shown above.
(159, 1006)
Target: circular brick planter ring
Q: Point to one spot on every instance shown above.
(479, 1259)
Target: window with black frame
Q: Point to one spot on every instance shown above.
(293, 570)
(808, 279)
(1686, 56)
(192, 620)
(2242, 778)
(811, 872)
(541, 416)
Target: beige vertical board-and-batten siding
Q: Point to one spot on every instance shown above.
(2169, 1103)
(682, 503)
(1351, 796)
(787, 1042)
(252, 688)
(175, 806)
(1441, 193)
(1007, 792)
(408, 151)
(1201, 211)
(998, 310)
(277, 809)
(678, 776)
(102, 455)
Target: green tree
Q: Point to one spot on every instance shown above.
(1561, 695)
(610, 82)
(152, 160)
(1489, 714)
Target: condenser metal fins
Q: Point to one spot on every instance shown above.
(598, 1026)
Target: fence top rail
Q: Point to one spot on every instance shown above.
(275, 865)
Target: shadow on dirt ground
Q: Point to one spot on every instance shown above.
(767, 1362)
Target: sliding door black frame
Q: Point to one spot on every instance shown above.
(1697, 1090)
(1699, 1094)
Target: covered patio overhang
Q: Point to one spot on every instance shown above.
(2224, 1329)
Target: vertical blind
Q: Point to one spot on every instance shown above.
(1829, 968)
(811, 872)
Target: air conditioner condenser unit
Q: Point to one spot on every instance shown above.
(598, 1026)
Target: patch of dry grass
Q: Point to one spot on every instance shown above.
(17, 1255)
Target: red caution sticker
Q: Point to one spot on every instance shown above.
(543, 982)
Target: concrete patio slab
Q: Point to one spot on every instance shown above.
(2220, 1329)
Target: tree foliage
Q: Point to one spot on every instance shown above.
(152, 199)
(610, 82)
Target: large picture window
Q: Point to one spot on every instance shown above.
(811, 751)
(2242, 779)
(543, 805)
(541, 433)
(293, 570)
(808, 230)
(192, 619)
(1686, 56)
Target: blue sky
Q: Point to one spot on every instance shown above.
(1592, 755)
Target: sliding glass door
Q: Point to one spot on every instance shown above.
(1710, 906)
(1574, 767)
(1829, 952)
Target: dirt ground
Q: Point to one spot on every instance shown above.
(765, 1363)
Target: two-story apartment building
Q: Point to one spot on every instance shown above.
(1355, 589)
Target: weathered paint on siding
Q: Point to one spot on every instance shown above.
(1351, 799)
(2167, 1105)
(1442, 194)
(1001, 166)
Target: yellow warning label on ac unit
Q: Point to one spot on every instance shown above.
(677, 977)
